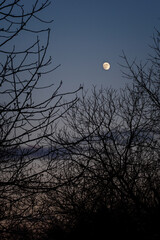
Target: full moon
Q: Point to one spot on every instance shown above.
(106, 66)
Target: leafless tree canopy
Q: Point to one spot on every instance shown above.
(28, 116)
(86, 166)
(112, 141)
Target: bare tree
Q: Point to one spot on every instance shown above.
(111, 140)
(146, 78)
(26, 120)
(109, 131)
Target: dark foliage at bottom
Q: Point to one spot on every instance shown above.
(106, 224)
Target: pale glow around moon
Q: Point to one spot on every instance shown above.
(106, 66)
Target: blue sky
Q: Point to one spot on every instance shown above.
(86, 33)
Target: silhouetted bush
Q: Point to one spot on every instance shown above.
(97, 173)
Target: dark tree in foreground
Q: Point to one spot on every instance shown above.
(112, 143)
(27, 114)
(98, 174)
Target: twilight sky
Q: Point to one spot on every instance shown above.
(88, 32)
(85, 33)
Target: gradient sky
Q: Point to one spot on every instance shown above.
(86, 33)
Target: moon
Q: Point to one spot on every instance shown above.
(106, 66)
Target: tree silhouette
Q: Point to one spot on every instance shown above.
(112, 143)
(76, 168)
(26, 120)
